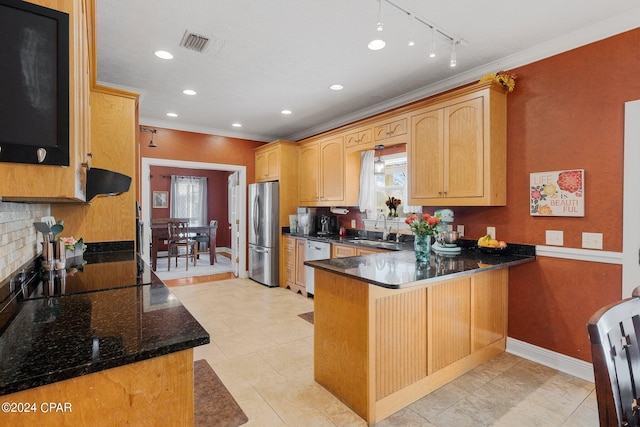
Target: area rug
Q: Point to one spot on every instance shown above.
(202, 268)
(214, 405)
(307, 316)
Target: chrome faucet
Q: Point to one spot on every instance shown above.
(384, 230)
(397, 230)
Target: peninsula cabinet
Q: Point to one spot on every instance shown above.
(26, 183)
(322, 172)
(457, 150)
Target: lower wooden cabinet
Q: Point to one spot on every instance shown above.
(293, 262)
(339, 250)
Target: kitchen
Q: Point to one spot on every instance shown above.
(550, 300)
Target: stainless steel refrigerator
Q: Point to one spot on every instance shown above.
(264, 233)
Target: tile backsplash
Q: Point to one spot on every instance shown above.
(18, 237)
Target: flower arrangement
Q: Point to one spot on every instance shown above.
(505, 78)
(72, 244)
(393, 204)
(424, 225)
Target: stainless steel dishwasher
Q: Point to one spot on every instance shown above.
(315, 250)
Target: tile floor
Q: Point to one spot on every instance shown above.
(263, 353)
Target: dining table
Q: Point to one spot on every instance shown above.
(159, 233)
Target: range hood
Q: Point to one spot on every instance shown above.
(102, 182)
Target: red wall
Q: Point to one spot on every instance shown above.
(217, 196)
(566, 112)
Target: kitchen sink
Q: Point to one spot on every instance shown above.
(381, 244)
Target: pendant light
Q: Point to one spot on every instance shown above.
(378, 164)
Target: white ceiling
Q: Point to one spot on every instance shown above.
(266, 56)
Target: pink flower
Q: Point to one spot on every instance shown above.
(535, 194)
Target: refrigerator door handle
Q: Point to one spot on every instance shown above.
(256, 214)
(260, 250)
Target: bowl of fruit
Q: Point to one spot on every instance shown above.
(490, 245)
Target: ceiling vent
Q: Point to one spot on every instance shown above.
(194, 41)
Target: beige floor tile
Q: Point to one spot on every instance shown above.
(263, 352)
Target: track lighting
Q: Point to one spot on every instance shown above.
(380, 25)
(153, 132)
(453, 61)
(432, 43)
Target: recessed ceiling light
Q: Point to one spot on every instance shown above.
(172, 115)
(189, 92)
(163, 54)
(376, 44)
(285, 112)
(336, 87)
(236, 125)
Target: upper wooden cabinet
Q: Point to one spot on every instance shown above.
(457, 151)
(358, 137)
(267, 164)
(322, 172)
(50, 184)
(390, 129)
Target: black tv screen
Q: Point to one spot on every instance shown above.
(34, 84)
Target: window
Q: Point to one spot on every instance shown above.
(393, 183)
(189, 198)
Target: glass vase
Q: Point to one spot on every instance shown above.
(422, 247)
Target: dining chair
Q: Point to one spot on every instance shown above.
(205, 239)
(614, 331)
(178, 236)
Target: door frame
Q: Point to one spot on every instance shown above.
(145, 174)
(631, 200)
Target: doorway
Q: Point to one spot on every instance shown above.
(631, 198)
(238, 244)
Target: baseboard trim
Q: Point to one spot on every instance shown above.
(568, 365)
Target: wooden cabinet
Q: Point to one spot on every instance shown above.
(389, 129)
(50, 184)
(322, 172)
(294, 268)
(457, 153)
(267, 164)
(340, 250)
(358, 137)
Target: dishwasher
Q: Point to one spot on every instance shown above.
(314, 251)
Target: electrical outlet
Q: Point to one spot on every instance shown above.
(353, 224)
(555, 237)
(491, 231)
(592, 240)
(460, 230)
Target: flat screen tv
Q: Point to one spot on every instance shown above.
(34, 84)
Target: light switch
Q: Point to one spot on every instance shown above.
(555, 237)
(353, 223)
(491, 231)
(592, 240)
(460, 230)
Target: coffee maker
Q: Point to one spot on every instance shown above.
(326, 225)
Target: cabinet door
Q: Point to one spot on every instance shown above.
(390, 129)
(427, 155)
(464, 165)
(368, 251)
(300, 267)
(341, 251)
(267, 165)
(332, 170)
(308, 174)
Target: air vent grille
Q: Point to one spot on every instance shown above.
(194, 41)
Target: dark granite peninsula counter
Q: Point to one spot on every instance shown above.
(388, 331)
(106, 340)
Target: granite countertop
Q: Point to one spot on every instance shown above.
(399, 269)
(45, 339)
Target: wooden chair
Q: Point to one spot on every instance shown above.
(204, 238)
(178, 236)
(614, 331)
